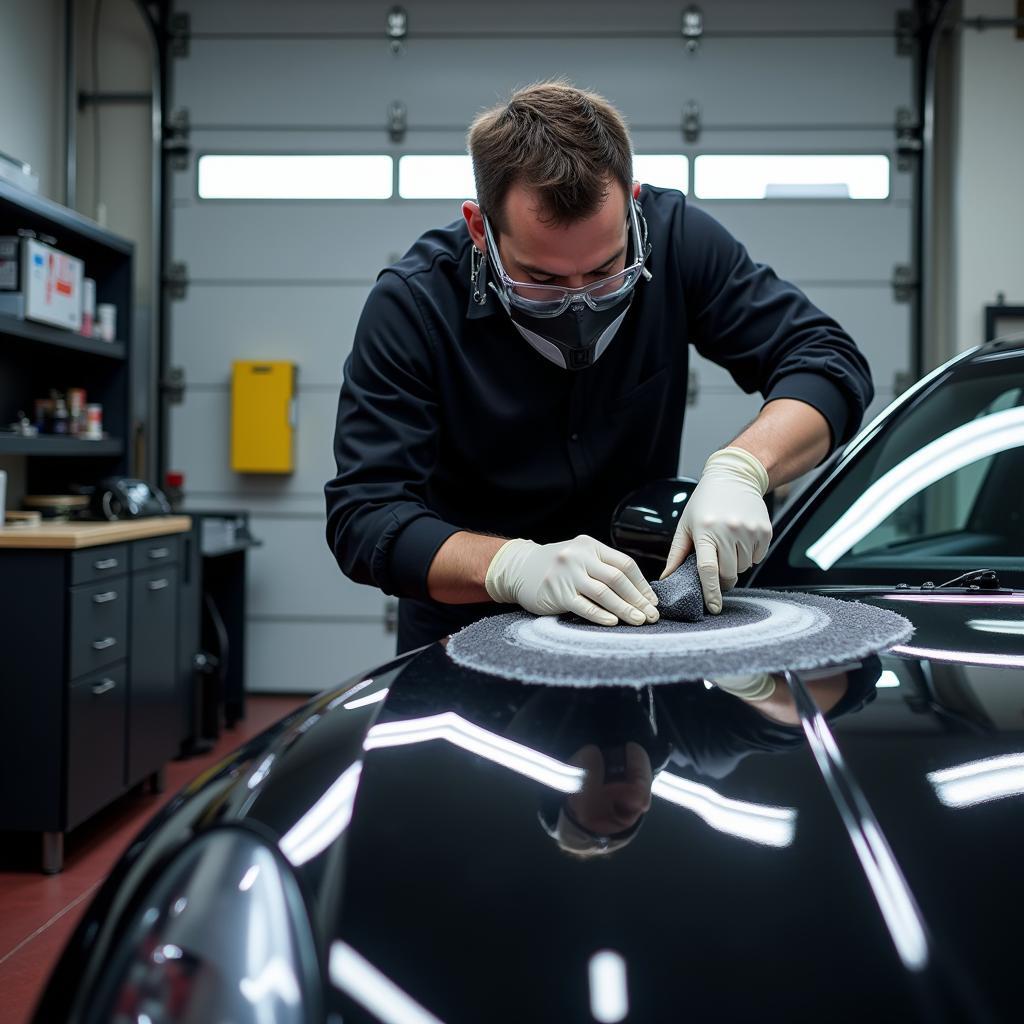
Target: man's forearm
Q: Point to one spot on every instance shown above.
(788, 438)
(457, 573)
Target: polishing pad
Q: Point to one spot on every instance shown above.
(680, 596)
(756, 631)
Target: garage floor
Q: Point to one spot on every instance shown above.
(41, 912)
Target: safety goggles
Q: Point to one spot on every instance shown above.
(551, 300)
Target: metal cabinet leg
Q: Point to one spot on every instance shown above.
(158, 781)
(53, 853)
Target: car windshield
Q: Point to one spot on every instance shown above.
(937, 488)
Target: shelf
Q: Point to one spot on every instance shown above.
(49, 445)
(29, 330)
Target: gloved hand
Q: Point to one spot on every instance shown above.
(759, 686)
(581, 575)
(726, 521)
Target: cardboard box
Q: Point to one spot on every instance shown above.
(52, 284)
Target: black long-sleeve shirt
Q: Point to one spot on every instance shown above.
(449, 421)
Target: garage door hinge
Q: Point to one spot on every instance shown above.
(173, 385)
(691, 121)
(397, 29)
(693, 27)
(398, 122)
(907, 28)
(176, 136)
(908, 139)
(180, 33)
(176, 280)
(903, 282)
(692, 387)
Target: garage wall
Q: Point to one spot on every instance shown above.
(990, 156)
(32, 89)
(286, 280)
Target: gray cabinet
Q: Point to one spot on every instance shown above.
(90, 679)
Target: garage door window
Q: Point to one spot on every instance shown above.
(804, 176)
(295, 176)
(451, 176)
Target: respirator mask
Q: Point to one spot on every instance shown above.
(570, 327)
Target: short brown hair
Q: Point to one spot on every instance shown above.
(568, 145)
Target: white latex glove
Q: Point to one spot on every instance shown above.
(759, 686)
(725, 521)
(581, 575)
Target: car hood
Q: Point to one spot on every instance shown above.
(854, 853)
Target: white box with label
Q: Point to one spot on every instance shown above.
(52, 283)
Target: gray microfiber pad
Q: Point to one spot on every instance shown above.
(680, 596)
(756, 631)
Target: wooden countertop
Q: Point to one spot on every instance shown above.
(89, 535)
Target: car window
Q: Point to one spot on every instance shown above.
(941, 488)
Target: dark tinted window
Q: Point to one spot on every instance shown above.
(943, 488)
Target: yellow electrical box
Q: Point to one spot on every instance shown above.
(263, 417)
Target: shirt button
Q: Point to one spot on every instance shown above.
(574, 437)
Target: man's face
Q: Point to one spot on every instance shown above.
(567, 255)
(610, 807)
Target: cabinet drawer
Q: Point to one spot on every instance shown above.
(154, 710)
(153, 552)
(98, 563)
(96, 741)
(99, 626)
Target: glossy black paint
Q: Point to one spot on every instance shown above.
(797, 859)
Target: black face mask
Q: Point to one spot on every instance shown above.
(572, 340)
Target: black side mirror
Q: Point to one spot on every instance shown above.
(645, 522)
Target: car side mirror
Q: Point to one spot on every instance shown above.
(645, 521)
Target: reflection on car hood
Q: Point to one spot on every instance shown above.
(437, 821)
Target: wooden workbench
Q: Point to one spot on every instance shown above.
(87, 535)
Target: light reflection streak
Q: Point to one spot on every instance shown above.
(348, 694)
(978, 782)
(370, 698)
(757, 823)
(961, 657)
(951, 598)
(1003, 626)
(609, 997)
(358, 978)
(325, 820)
(962, 446)
(458, 731)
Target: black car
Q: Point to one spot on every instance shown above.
(424, 843)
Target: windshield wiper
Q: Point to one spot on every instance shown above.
(976, 579)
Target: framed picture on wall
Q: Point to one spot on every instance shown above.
(1002, 320)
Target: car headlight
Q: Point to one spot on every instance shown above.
(222, 935)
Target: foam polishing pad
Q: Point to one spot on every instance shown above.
(756, 631)
(680, 595)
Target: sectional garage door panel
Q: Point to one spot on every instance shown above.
(295, 242)
(311, 325)
(292, 575)
(307, 657)
(287, 279)
(200, 436)
(444, 82)
(533, 17)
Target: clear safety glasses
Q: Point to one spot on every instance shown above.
(550, 300)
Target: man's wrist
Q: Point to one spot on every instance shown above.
(739, 462)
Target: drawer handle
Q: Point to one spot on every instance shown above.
(109, 595)
(102, 645)
(155, 553)
(105, 563)
(157, 584)
(104, 687)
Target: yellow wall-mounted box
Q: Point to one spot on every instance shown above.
(263, 416)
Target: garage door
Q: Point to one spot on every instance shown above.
(285, 278)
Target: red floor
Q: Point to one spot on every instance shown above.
(39, 912)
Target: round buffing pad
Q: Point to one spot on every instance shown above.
(756, 631)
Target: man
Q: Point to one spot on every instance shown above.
(519, 372)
